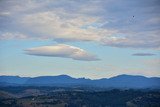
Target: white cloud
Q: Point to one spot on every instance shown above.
(62, 50)
(107, 22)
(52, 25)
(8, 35)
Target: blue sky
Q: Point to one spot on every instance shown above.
(80, 38)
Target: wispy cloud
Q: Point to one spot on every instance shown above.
(16, 35)
(62, 50)
(110, 23)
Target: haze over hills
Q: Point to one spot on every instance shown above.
(120, 81)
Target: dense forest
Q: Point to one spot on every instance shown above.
(77, 97)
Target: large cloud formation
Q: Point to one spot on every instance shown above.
(62, 50)
(122, 23)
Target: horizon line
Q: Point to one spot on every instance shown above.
(83, 77)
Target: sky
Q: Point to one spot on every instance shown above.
(81, 38)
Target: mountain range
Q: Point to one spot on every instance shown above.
(120, 81)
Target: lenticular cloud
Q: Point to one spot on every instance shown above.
(62, 50)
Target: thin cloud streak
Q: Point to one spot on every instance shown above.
(143, 54)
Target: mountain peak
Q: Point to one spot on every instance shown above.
(127, 76)
(63, 75)
(119, 81)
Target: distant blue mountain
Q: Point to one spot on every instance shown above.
(129, 81)
(120, 81)
(13, 79)
(51, 80)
